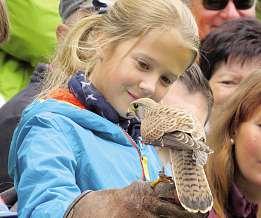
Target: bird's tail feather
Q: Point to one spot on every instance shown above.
(191, 183)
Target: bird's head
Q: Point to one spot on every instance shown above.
(138, 108)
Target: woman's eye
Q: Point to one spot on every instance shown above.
(228, 82)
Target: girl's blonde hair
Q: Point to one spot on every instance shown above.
(4, 23)
(126, 19)
(222, 166)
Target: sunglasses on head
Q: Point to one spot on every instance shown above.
(221, 4)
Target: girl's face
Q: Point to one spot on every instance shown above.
(141, 67)
(248, 149)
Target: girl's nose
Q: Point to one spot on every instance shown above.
(148, 85)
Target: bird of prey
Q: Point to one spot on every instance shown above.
(182, 144)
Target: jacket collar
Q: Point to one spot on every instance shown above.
(84, 118)
(239, 205)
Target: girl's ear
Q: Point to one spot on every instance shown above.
(100, 49)
(104, 48)
(61, 30)
(100, 54)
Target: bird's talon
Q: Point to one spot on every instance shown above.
(162, 178)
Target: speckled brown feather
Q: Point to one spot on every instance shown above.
(161, 119)
(191, 183)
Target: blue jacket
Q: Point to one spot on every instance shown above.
(59, 150)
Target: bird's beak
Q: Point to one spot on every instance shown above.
(131, 114)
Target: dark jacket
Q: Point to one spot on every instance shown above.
(10, 114)
(239, 206)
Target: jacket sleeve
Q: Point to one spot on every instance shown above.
(15, 75)
(44, 171)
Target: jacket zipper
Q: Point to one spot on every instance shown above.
(134, 144)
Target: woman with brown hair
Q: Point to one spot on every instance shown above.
(234, 170)
(4, 24)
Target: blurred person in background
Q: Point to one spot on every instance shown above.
(229, 54)
(31, 40)
(210, 14)
(4, 23)
(4, 30)
(234, 170)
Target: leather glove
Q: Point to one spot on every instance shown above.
(137, 200)
(9, 196)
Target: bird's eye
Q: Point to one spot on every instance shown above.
(202, 139)
(135, 105)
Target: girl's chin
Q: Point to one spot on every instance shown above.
(123, 113)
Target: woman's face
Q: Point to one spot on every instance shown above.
(141, 67)
(227, 77)
(208, 20)
(248, 148)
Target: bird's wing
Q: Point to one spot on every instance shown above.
(149, 131)
(184, 141)
(176, 119)
(162, 119)
(198, 132)
(179, 140)
(191, 183)
(201, 154)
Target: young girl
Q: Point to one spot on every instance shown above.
(234, 169)
(4, 24)
(76, 137)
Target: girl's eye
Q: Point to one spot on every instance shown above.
(142, 65)
(166, 81)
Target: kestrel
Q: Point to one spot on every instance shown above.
(182, 144)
